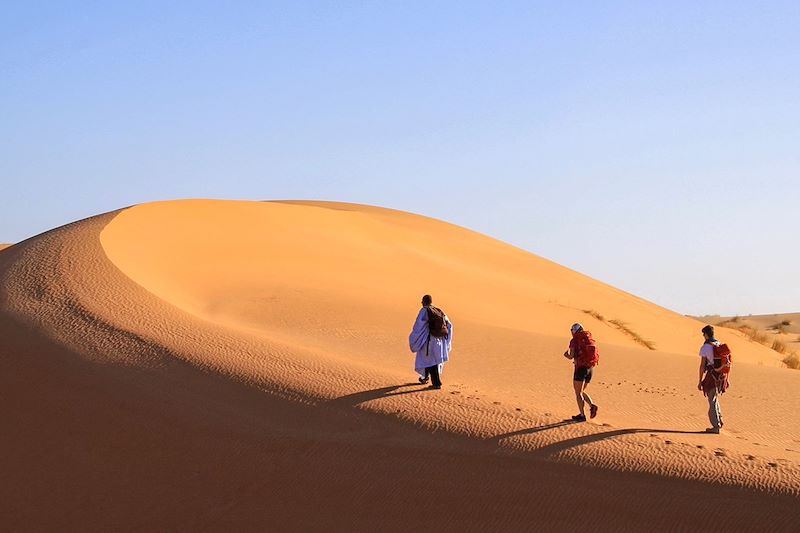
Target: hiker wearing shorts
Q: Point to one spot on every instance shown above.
(431, 339)
(584, 355)
(707, 382)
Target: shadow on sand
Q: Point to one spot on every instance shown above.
(351, 400)
(497, 438)
(562, 445)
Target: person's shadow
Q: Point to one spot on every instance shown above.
(497, 438)
(356, 398)
(561, 445)
(351, 400)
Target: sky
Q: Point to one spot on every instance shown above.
(653, 147)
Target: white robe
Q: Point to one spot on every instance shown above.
(430, 350)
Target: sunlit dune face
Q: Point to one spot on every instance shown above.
(361, 269)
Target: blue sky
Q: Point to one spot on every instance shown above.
(654, 147)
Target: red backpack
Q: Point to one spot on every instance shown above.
(587, 354)
(722, 359)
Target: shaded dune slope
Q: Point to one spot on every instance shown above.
(232, 364)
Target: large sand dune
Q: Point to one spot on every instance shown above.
(210, 365)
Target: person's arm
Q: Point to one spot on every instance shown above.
(701, 373)
(419, 333)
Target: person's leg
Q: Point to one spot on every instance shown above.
(578, 386)
(585, 395)
(714, 414)
(588, 399)
(434, 372)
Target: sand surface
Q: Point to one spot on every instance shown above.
(219, 364)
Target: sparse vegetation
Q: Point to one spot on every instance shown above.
(755, 335)
(781, 326)
(635, 336)
(752, 333)
(779, 346)
(731, 322)
(760, 337)
(622, 326)
(595, 314)
(792, 361)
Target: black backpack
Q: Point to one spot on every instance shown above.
(436, 322)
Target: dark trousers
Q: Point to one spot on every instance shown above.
(433, 372)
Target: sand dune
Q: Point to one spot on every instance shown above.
(214, 364)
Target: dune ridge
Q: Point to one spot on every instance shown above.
(269, 331)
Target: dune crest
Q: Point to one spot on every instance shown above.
(236, 364)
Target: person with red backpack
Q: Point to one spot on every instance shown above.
(584, 354)
(715, 364)
(431, 339)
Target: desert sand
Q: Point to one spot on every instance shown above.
(214, 365)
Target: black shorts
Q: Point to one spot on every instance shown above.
(582, 373)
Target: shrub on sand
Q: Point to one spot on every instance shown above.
(780, 327)
(779, 346)
(757, 336)
(792, 361)
(635, 336)
(595, 314)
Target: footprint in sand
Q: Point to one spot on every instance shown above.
(751, 457)
(519, 409)
(496, 403)
(667, 442)
(720, 453)
(701, 446)
(455, 392)
(773, 465)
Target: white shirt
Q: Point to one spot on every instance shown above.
(707, 351)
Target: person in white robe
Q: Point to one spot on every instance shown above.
(431, 352)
